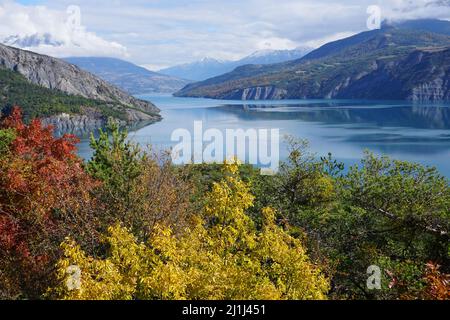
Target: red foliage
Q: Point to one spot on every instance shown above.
(44, 197)
(38, 142)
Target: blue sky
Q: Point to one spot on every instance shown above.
(159, 33)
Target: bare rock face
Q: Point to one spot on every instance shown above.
(256, 93)
(437, 90)
(56, 74)
(263, 93)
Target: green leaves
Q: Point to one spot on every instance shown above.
(217, 231)
(415, 196)
(37, 101)
(220, 258)
(379, 210)
(7, 136)
(116, 161)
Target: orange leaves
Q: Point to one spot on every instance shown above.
(40, 163)
(14, 120)
(438, 284)
(43, 192)
(38, 142)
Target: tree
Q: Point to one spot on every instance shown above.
(116, 161)
(140, 189)
(44, 196)
(393, 214)
(221, 257)
(7, 136)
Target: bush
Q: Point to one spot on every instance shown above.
(139, 189)
(44, 197)
(221, 257)
(139, 227)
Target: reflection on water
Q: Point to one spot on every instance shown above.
(346, 128)
(422, 117)
(84, 132)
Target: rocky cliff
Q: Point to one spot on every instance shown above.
(391, 63)
(60, 76)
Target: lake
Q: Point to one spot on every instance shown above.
(402, 130)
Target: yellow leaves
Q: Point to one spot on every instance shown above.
(231, 166)
(325, 188)
(289, 267)
(268, 217)
(227, 203)
(167, 282)
(222, 256)
(100, 279)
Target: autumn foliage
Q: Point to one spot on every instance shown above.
(138, 227)
(47, 194)
(222, 257)
(44, 193)
(437, 283)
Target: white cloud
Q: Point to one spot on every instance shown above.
(65, 28)
(168, 32)
(276, 44)
(334, 37)
(417, 9)
(155, 67)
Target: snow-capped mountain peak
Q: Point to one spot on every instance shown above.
(261, 53)
(211, 67)
(272, 52)
(32, 41)
(211, 60)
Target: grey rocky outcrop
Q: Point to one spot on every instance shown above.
(57, 74)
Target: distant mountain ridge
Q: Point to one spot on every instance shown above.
(65, 87)
(128, 76)
(34, 40)
(199, 70)
(399, 61)
(210, 67)
(427, 25)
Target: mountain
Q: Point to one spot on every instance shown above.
(128, 76)
(427, 25)
(64, 94)
(273, 56)
(30, 41)
(399, 61)
(209, 67)
(199, 70)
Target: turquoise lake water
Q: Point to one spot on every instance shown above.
(402, 130)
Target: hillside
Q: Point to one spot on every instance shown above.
(396, 62)
(37, 101)
(63, 93)
(128, 76)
